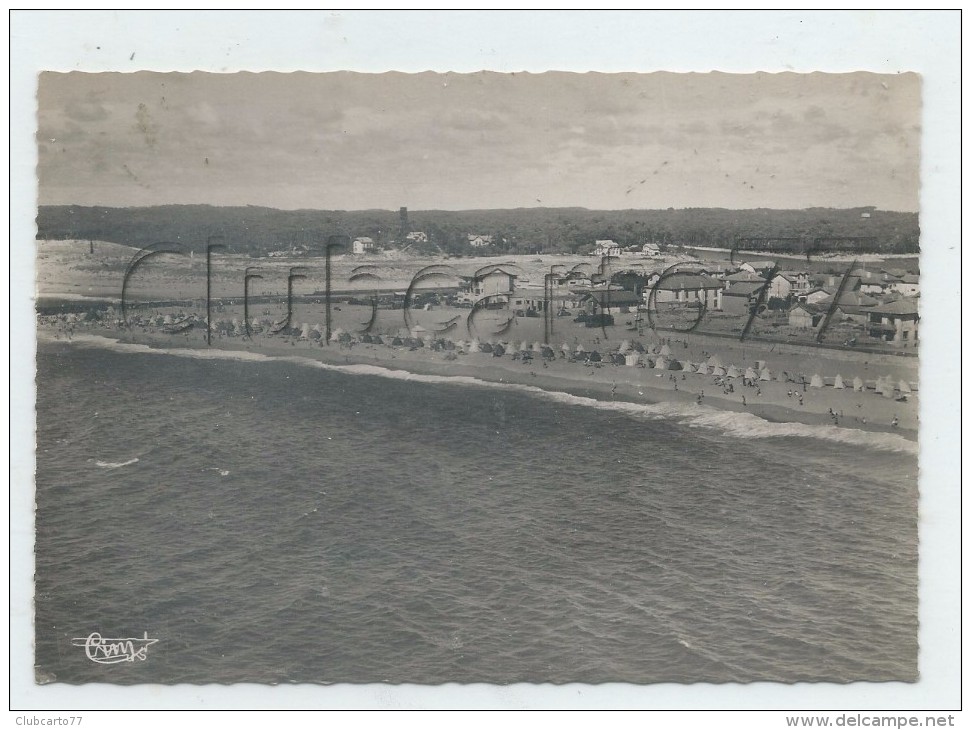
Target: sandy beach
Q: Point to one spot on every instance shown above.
(776, 401)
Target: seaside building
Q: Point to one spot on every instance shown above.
(610, 301)
(908, 286)
(606, 247)
(683, 287)
(362, 245)
(651, 249)
(417, 237)
(478, 241)
(496, 283)
(740, 298)
(805, 316)
(895, 322)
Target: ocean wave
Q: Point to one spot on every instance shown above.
(734, 423)
(115, 464)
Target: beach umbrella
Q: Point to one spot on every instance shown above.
(750, 374)
(858, 384)
(665, 351)
(732, 372)
(816, 382)
(714, 361)
(838, 382)
(904, 387)
(718, 370)
(594, 356)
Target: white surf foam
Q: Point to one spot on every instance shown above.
(115, 464)
(735, 423)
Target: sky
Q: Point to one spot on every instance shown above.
(351, 141)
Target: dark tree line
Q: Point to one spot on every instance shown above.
(257, 230)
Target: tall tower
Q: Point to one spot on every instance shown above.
(402, 222)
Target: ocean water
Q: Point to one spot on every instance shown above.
(276, 520)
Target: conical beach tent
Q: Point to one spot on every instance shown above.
(750, 374)
(665, 351)
(766, 374)
(904, 387)
(732, 372)
(838, 382)
(714, 361)
(624, 347)
(632, 358)
(858, 384)
(816, 382)
(718, 370)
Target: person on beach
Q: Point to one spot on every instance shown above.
(789, 393)
(800, 399)
(743, 401)
(895, 421)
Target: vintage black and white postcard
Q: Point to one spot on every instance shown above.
(478, 377)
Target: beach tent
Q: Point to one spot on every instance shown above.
(766, 374)
(365, 338)
(732, 372)
(674, 365)
(377, 340)
(167, 319)
(631, 359)
(304, 331)
(485, 347)
(838, 382)
(624, 347)
(538, 346)
(451, 356)
(750, 374)
(461, 345)
(580, 350)
(474, 345)
(524, 346)
(396, 342)
(701, 368)
(594, 356)
(718, 370)
(661, 364)
(665, 351)
(887, 389)
(618, 359)
(816, 382)
(904, 387)
(448, 345)
(548, 353)
(714, 361)
(637, 346)
(498, 350)
(858, 384)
